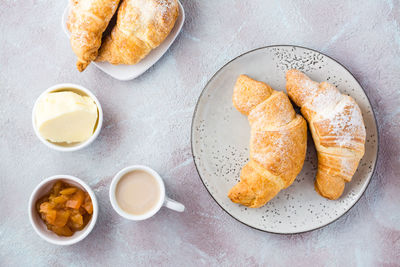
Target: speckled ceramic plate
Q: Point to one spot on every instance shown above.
(220, 141)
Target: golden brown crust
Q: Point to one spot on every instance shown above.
(254, 189)
(337, 127)
(277, 145)
(280, 151)
(248, 93)
(87, 21)
(304, 87)
(141, 26)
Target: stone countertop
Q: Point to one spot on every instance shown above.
(147, 121)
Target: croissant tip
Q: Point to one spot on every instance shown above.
(81, 66)
(326, 195)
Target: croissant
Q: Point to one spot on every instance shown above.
(87, 21)
(141, 26)
(337, 128)
(278, 142)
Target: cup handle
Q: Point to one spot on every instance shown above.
(173, 205)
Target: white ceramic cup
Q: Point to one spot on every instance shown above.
(40, 227)
(82, 90)
(164, 200)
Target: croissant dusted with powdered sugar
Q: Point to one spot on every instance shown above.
(87, 21)
(278, 142)
(142, 25)
(337, 128)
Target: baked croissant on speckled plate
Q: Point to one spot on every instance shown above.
(337, 127)
(142, 25)
(278, 142)
(87, 21)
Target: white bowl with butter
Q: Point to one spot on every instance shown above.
(67, 117)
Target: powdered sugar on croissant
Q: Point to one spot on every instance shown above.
(87, 21)
(277, 143)
(142, 25)
(337, 128)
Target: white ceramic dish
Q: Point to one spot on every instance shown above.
(76, 146)
(129, 72)
(39, 226)
(164, 200)
(220, 140)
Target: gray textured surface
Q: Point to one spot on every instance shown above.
(147, 121)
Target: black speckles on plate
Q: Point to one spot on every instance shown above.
(305, 60)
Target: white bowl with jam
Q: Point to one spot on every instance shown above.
(42, 224)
